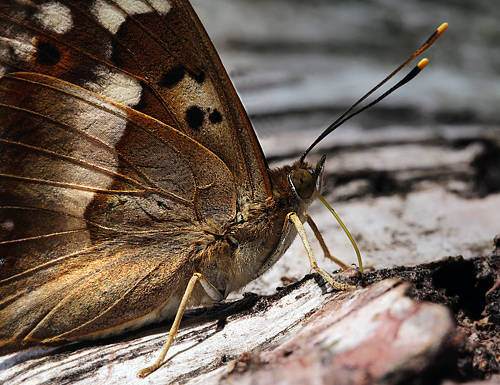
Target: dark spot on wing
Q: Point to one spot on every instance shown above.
(195, 117)
(200, 77)
(47, 54)
(215, 117)
(173, 76)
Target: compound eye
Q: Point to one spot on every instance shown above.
(303, 183)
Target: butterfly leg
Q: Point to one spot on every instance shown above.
(295, 220)
(211, 291)
(322, 243)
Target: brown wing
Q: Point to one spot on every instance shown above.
(153, 56)
(95, 198)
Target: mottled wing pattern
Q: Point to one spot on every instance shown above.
(100, 209)
(113, 163)
(104, 189)
(151, 55)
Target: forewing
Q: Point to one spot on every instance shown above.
(99, 205)
(153, 56)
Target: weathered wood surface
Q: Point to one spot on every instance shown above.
(367, 333)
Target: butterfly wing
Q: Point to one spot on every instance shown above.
(153, 56)
(100, 206)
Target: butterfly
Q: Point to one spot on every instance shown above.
(132, 183)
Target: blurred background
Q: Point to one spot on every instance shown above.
(417, 177)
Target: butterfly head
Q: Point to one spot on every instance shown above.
(307, 181)
(298, 185)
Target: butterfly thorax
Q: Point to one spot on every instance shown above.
(260, 232)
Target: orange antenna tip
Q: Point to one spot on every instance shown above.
(442, 28)
(422, 63)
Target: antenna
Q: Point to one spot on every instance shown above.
(414, 72)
